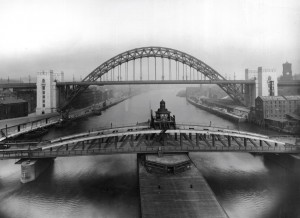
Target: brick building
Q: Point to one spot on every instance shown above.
(276, 109)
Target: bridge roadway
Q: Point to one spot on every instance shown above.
(142, 139)
(144, 82)
(162, 82)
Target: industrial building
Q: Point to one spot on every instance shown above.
(11, 107)
(278, 111)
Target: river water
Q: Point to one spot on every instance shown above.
(107, 186)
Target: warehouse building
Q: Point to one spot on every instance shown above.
(11, 107)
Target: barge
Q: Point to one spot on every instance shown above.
(218, 112)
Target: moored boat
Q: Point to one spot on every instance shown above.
(36, 133)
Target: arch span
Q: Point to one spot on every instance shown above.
(158, 52)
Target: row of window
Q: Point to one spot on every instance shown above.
(281, 102)
(279, 116)
(279, 111)
(43, 97)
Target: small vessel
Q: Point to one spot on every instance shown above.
(4, 146)
(97, 111)
(36, 133)
(62, 123)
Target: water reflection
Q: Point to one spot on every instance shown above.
(106, 186)
(103, 186)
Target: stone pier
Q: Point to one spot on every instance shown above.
(170, 194)
(32, 168)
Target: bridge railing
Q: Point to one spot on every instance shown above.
(144, 149)
(210, 127)
(25, 127)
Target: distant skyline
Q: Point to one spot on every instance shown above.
(77, 36)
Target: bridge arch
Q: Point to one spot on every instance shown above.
(159, 52)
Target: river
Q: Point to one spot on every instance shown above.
(246, 186)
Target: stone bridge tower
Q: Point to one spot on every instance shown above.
(47, 92)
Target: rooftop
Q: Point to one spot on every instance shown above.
(293, 116)
(280, 98)
(11, 100)
(292, 97)
(272, 98)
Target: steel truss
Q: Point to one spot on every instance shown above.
(144, 140)
(232, 90)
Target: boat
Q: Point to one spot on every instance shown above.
(4, 146)
(62, 123)
(36, 133)
(97, 111)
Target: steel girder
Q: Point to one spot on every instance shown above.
(160, 52)
(142, 139)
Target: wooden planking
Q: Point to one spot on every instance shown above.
(175, 197)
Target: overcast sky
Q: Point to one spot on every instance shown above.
(77, 36)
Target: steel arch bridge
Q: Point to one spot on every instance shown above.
(185, 59)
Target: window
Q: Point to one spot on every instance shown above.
(43, 87)
(43, 80)
(43, 92)
(43, 105)
(43, 101)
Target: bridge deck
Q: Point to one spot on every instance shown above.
(182, 195)
(141, 139)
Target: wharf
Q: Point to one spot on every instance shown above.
(18, 126)
(219, 113)
(177, 195)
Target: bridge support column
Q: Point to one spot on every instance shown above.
(197, 139)
(229, 141)
(32, 168)
(180, 138)
(116, 142)
(99, 142)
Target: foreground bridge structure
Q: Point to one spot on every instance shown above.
(143, 140)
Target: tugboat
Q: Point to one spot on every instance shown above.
(163, 118)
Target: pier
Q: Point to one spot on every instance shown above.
(183, 195)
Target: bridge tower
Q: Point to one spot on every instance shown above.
(265, 84)
(287, 73)
(47, 92)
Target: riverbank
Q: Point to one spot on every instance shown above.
(101, 106)
(218, 112)
(19, 127)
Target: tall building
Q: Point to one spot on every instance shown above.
(46, 92)
(287, 73)
(265, 84)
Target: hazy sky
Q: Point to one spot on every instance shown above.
(77, 36)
